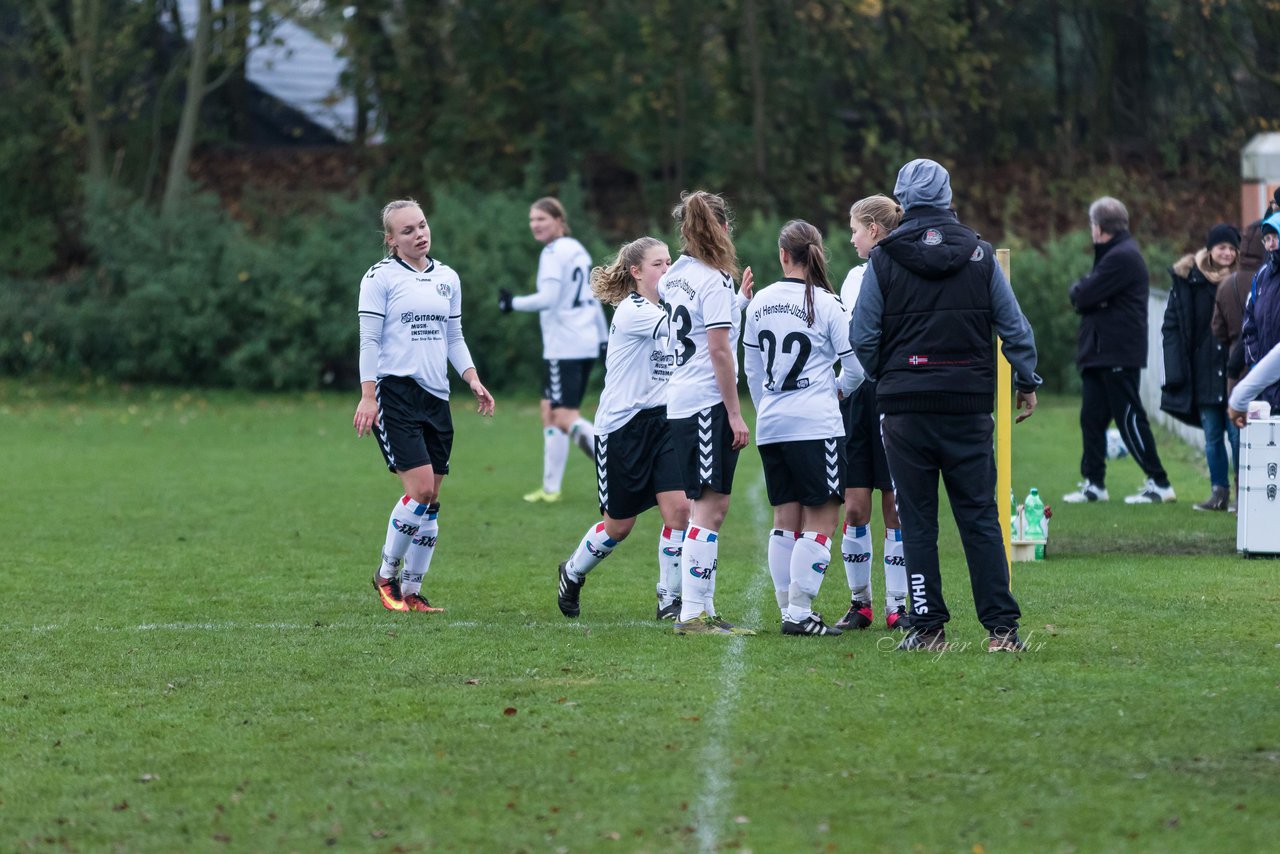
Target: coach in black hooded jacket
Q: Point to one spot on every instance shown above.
(931, 298)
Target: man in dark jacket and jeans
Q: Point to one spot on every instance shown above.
(930, 298)
(1111, 353)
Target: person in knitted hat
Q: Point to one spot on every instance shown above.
(1261, 328)
(1195, 361)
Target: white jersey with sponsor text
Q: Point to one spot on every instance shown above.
(638, 366)
(572, 321)
(698, 297)
(419, 311)
(794, 360)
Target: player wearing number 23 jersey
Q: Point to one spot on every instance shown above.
(698, 298)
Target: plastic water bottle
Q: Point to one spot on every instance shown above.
(1015, 530)
(1033, 512)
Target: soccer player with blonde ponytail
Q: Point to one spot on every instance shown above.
(870, 221)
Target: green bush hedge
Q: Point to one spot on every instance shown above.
(197, 300)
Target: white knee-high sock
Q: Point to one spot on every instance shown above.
(781, 544)
(421, 549)
(809, 561)
(697, 572)
(555, 453)
(855, 548)
(670, 549)
(895, 570)
(406, 519)
(583, 434)
(594, 547)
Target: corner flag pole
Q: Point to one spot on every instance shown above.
(1004, 433)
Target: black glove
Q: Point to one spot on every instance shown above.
(604, 350)
(504, 300)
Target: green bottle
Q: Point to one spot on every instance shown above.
(1033, 512)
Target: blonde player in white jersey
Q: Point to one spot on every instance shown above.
(707, 428)
(870, 220)
(410, 332)
(635, 460)
(796, 330)
(573, 331)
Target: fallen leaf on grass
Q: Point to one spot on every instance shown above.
(741, 819)
(473, 682)
(509, 711)
(120, 807)
(148, 778)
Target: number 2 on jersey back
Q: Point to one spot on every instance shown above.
(579, 278)
(803, 346)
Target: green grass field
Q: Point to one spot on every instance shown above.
(194, 659)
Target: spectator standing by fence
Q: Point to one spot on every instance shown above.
(1195, 360)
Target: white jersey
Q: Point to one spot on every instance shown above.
(638, 366)
(851, 288)
(698, 298)
(421, 316)
(789, 363)
(573, 325)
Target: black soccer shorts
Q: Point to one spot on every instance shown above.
(866, 465)
(809, 471)
(564, 381)
(704, 451)
(636, 462)
(414, 427)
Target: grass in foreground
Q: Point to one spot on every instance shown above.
(194, 659)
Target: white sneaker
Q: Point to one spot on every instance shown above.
(1152, 494)
(1088, 492)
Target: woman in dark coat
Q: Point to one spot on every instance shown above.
(1195, 360)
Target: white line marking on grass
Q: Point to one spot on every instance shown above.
(232, 626)
(715, 755)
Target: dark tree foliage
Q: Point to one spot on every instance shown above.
(790, 103)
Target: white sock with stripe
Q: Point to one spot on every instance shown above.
(555, 453)
(809, 561)
(421, 549)
(781, 544)
(583, 434)
(670, 548)
(594, 547)
(406, 519)
(895, 570)
(855, 548)
(697, 572)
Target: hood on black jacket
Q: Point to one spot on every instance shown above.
(932, 244)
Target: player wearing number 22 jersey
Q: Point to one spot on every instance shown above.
(795, 332)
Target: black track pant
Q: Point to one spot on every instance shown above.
(919, 447)
(1111, 394)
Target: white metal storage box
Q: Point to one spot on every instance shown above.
(1258, 525)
